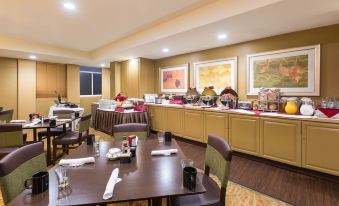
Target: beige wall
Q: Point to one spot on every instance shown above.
(327, 37)
(26, 88)
(85, 102)
(9, 84)
(106, 83)
(73, 83)
(43, 105)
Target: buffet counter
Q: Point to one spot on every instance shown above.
(308, 142)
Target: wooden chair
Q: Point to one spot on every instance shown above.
(141, 130)
(54, 132)
(6, 115)
(218, 159)
(18, 166)
(70, 138)
(11, 138)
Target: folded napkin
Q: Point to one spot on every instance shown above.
(34, 122)
(76, 162)
(165, 152)
(111, 184)
(18, 121)
(63, 120)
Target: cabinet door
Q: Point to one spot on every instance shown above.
(280, 140)
(215, 124)
(244, 134)
(194, 125)
(175, 121)
(158, 118)
(320, 143)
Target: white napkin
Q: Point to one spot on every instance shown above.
(165, 152)
(76, 162)
(63, 120)
(111, 184)
(18, 121)
(35, 121)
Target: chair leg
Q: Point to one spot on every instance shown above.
(54, 153)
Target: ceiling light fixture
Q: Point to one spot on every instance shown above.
(32, 56)
(165, 50)
(222, 36)
(102, 65)
(69, 6)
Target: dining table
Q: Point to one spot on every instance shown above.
(146, 177)
(46, 125)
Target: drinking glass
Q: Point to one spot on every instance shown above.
(324, 103)
(331, 103)
(2, 121)
(63, 178)
(161, 137)
(187, 163)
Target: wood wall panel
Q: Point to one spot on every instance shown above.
(146, 77)
(9, 84)
(26, 88)
(106, 83)
(73, 83)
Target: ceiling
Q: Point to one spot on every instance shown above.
(102, 31)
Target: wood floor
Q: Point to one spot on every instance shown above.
(289, 186)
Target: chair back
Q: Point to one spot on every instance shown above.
(11, 135)
(140, 130)
(84, 123)
(18, 166)
(218, 158)
(64, 114)
(6, 115)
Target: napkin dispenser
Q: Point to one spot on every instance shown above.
(125, 158)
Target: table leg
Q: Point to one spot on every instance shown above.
(156, 201)
(34, 135)
(64, 128)
(48, 137)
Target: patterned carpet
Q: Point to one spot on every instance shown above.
(236, 195)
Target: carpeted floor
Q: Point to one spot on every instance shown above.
(236, 195)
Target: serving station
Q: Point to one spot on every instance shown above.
(303, 141)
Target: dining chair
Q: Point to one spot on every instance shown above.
(54, 132)
(6, 115)
(138, 129)
(18, 166)
(70, 138)
(218, 159)
(11, 138)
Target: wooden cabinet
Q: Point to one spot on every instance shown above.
(175, 121)
(216, 124)
(320, 146)
(244, 133)
(50, 77)
(194, 125)
(158, 118)
(280, 140)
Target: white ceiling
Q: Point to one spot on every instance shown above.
(103, 31)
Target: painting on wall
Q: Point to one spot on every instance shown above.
(174, 78)
(218, 73)
(295, 71)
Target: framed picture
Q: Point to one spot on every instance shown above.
(295, 71)
(219, 73)
(174, 78)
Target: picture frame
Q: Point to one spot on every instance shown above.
(174, 79)
(296, 71)
(219, 73)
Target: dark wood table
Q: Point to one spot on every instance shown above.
(146, 177)
(45, 125)
(104, 120)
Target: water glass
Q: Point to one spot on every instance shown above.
(63, 178)
(331, 103)
(187, 163)
(324, 103)
(161, 137)
(97, 148)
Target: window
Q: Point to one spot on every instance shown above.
(90, 81)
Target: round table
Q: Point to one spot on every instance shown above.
(104, 120)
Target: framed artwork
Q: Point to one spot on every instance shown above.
(219, 73)
(295, 71)
(174, 78)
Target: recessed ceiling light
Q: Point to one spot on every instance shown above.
(222, 36)
(69, 6)
(32, 56)
(102, 65)
(165, 50)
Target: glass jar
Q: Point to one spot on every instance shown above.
(283, 102)
(291, 105)
(307, 107)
